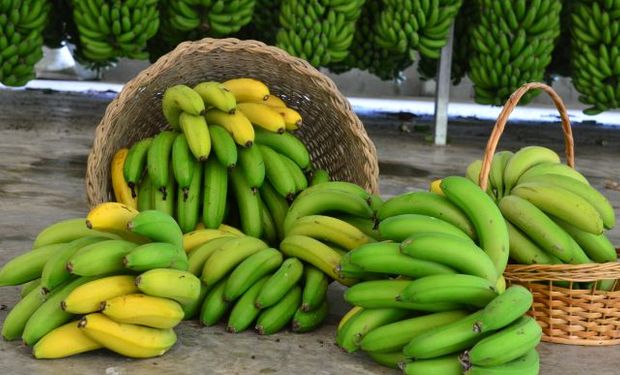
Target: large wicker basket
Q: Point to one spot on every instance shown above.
(567, 315)
(333, 134)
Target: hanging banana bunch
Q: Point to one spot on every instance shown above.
(366, 54)
(183, 20)
(21, 40)
(463, 26)
(421, 25)
(264, 21)
(513, 44)
(110, 29)
(595, 54)
(319, 31)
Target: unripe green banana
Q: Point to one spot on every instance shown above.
(446, 365)
(333, 230)
(506, 345)
(319, 176)
(524, 251)
(529, 364)
(386, 258)
(224, 146)
(16, 319)
(155, 255)
(146, 194)
(350, 335)
(183, 164)
(28, 266)
(251, 162)
(391, 360)
(158, 159)
(400, 227)
(394, 336)
(484, 214)
(277, 172)
(197, 133)
(216, 95)
(135, 162)
(504, 309)
(276, 204)
(452, 252)
(457, 288)
(314, 290)
(274, 318)
(524, 159)
(384, 294)
(214, 193)
(250, 270)
(228, 256)
(199, 255)
(496, 175)
(249, 206)
(244, 312)
(191, 309)
(270, 232)
(163, 200)
(158, 227)
(177, 285)
(301, 183)
(188, 205)
(286, 144)
(551, 168)
(29, 287)
(67, 231)
(429, 204)
(305, 321)
(285, 278)
(181, 99)
(597, 247)
(214, 307)
(100, 258)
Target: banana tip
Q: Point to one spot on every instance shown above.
(63, 305)
(281, 130)
(477, 327)
(102, 306)
(248, 144)
(89, 225)
(82, 323)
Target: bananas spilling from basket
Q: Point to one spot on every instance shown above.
(432, 298)
(553, 214)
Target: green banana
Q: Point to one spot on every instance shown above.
(319, 176)
(177, 285)
(350, 335)
(158, 160)
(158, 227)
(283, 279)
(428, 204)
(214, 307)
(135, 162)
(67, 231)
(329, 229)
(277, 206)
(400, 227)
(191, 309)
(228, 256)
(277, 172)
(250, 270)
(163, 200)
(446, 365)
(506, 345)
(305, 321)
(456, 288)
(504, 309)
(314, 290)
(274, 318)
(216, 95)
(391, 360)
(529, 364)
(524, 159)
(248, 204)
(597, 247)
(484, 214)
(301, 183)
(198, 256)
(146, 194)
(244, 312)
(29, 287)
(180, 99)
(100, 258)
(188, 204)
(524, 251)
(394, 336)
(286, 144)
(251, 162)
(183, 164)
(452, 252)
(155, 255)
(197, 133)
(270, 232)
(214, 193)
(16, 319)
(224, 146)
(28, 266)
(496, 176)
(551, 168)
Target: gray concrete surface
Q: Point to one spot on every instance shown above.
(44, 140)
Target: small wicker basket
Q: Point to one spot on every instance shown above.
(567, 315)
(334, 135)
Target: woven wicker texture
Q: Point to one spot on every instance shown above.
(575, 314)
(334, 135)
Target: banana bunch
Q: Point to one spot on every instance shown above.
(320, 32)
(116, 279)
(261, 27)
(464, 23)
(21, 40)
(107, 30)
(365, 54)
(183, 20)
(594, 53)
(421, 25)
(552, 212)
(513, 43)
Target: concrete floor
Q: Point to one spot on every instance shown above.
(44, 140)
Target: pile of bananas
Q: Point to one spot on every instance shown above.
(183, 20)
(594, 53)
(553, 214)
(122, 286)
(241, 168)
(107, 30)
(513, 43)
(432, 289)
(320, 32)
(21, 40)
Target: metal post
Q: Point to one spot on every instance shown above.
(442, 94)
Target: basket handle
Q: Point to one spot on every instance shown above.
(502, 119)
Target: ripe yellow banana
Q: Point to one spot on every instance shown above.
(155, 312)
(88, 297)
(264, 116)
(247, 89)
(127, 339)
(113, 217)
(237, 124)
(272, 101)
(191, 240)
(122, 192)
(292, 118)
(64, 341)
(326, 228)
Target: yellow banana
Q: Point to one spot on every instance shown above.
(264, 116)
(272, 101)
(230, 229)
(191, 240)
(436, 187)
(88, 297)
(113, 217)
(122, 192)
(155, 312)
(333, 230)
(292, 118)
(247, 89)
(129, 340)
(237, 124)
(64, 341)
